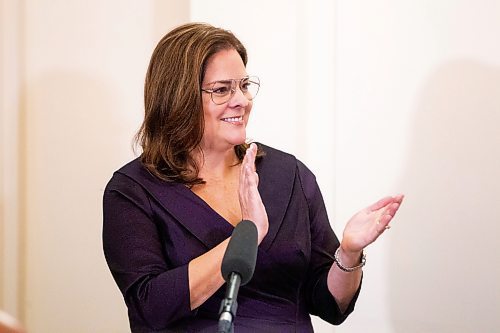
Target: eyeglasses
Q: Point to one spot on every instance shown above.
(222, 91)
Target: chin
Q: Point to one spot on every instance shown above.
(237, 139)
(237, 142)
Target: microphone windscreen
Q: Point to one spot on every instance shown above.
(241, 252)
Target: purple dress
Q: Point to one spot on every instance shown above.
(152, 229)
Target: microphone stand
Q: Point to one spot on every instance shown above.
(229, 305)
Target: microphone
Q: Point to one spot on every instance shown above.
(238, 265)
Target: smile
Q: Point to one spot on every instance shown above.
(233, 120)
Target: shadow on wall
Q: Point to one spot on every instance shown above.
(445, 269)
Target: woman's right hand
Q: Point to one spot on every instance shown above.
(251, 204)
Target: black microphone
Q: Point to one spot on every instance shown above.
(238, 266)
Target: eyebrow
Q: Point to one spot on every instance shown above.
(228, 80)
(221, 81)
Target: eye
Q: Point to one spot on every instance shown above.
(245, 85)
(221, 90)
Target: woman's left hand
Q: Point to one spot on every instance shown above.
(368, 224)
(362, 229)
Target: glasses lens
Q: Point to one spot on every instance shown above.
(250, 86)
(221, 91)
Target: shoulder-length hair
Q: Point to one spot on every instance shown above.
(173, 123)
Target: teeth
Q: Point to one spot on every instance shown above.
(233, 119)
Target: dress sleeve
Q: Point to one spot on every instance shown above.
(324, 242)
(155, 293)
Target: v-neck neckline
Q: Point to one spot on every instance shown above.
(208, 208)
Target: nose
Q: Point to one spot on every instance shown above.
(238, 98)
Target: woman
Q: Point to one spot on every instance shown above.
(168, 215)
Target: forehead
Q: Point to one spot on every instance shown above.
(225, 64)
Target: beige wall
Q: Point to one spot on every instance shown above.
(10, 30)
(376, 97)
(81, 69)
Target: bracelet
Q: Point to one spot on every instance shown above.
(349, 269)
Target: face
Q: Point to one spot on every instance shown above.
(225, 124)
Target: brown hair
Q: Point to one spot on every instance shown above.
(173, 122)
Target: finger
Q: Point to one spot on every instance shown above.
(252, 153)
(244, 175)
(245, 188)
(247, 159)
(392, 208)
(399, 198)
(249, 193)
(251, 176)
(380, 204)
(386, 217)
(383, 223)
(384, 220)
(248, 175)
(388, 212)
(242, 168)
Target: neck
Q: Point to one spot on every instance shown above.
(216, 164)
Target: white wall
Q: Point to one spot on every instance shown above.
(376, 97)
(418, 106)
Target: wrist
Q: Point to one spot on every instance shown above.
(349, 261)
(350, 258)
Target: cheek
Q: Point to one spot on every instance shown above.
(206, 108)
(248, 109)
(209, 112)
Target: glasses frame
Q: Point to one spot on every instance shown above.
(234, 83)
